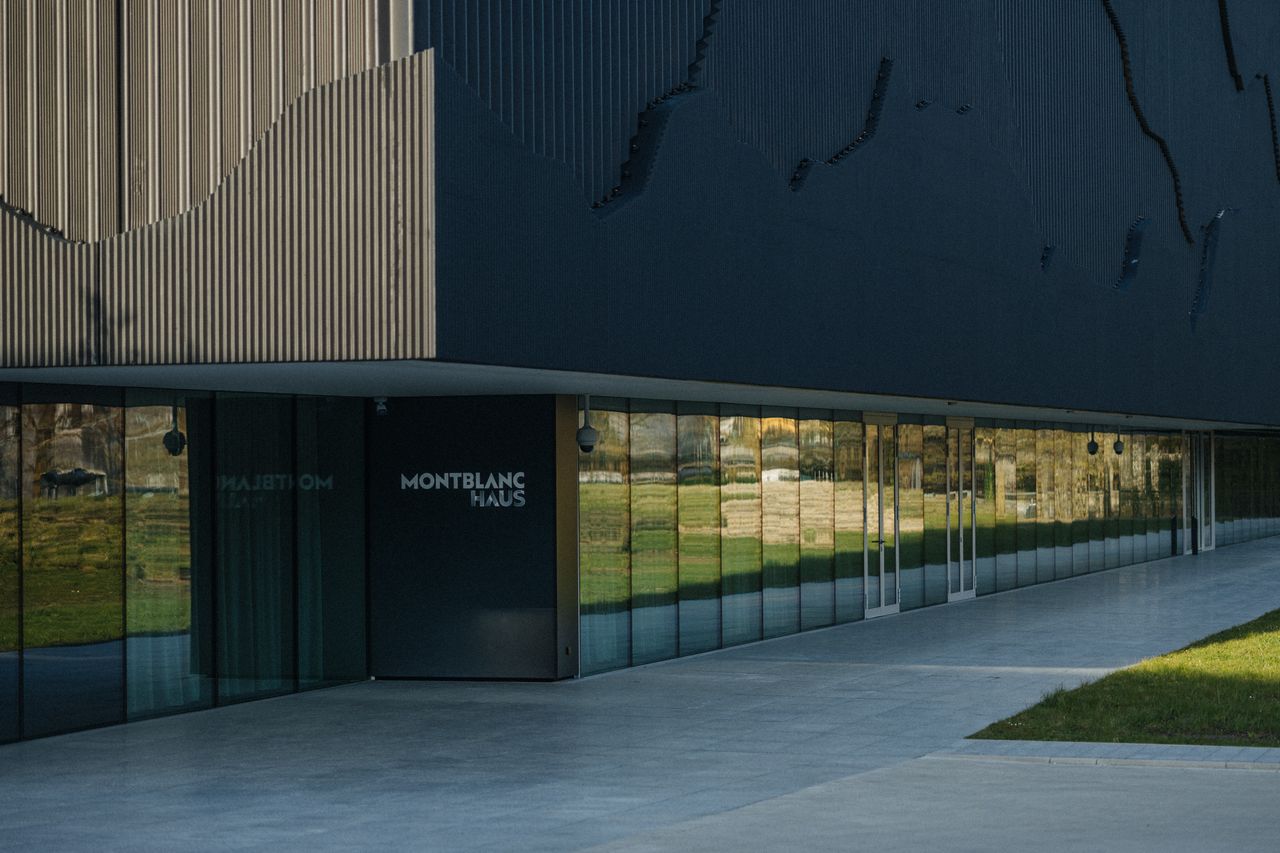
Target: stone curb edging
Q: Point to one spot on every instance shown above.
(1271, 766)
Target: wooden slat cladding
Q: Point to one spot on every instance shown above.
(92, 154)
(49, 304)
(320, 245)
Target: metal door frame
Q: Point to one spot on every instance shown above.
(960, 426)
(1199, 497)
(879, 419)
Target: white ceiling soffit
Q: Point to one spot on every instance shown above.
(435, 378)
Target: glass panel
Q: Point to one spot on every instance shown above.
(1046, 505)
(875, 516)
(1249, 477)
(255, 546)
(1006, 470)
(1221, 475)
(965, 502)
(740, 548)
(1081, 502)
(1110, 502)
(1026, 506)
(984, 495)
(1171, 490)
(604, 536)
(73, 608)
(882, 572)
(1161, 505)
(1270, 480)
(654, 585)
(780, 494)
(1268, 486)
(1064, 483)
(10, 480)
(1097, 507)
(1141, 498)
(911, 515)
(936, 528)
(817, 524)
(329, 485)
(699, 506)
(168, 579)
(849, 495)
(1177, 487)
(889, 444)
(1126, 502)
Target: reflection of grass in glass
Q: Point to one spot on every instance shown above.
(1224, 689)
(713, 561)
(604, 513)
(653, 544)
(8, 575)
(699, 542)
(159, 563)
(781, 565)
(71, 574)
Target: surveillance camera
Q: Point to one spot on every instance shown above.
(174, 442)
(1118, 447)
(587, 437)
(1093, 447)
(380, 405)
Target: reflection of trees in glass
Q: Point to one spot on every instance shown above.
(10, 477)
(72, 535)
(604, 530)
(158, 524)
(653, 536)
(780, 522)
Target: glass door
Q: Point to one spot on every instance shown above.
(881, 561)
(1199, 501)
(961, 516)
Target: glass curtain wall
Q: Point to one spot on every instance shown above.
(911, 515)
(1064, 447)
(654, 582)
(329, 490)
(850, 493)
(698, 506)
(1025, 507)
(1246, 470)
(741, 550)
(780, 521)
(935, 512)
(256, 642)
(72, 559)
(604, 549)
(168, 544)
(140, 525)
(10, 544)
(710, 525)
(984, 503)
(1005, 454)
(1046, 506)
(817, 521)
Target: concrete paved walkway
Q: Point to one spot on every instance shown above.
(814, 741)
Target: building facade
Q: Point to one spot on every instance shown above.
(873, 306)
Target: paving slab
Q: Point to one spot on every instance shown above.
(799, 724)
(1009, 804)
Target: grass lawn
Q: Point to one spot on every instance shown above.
(1222, 690)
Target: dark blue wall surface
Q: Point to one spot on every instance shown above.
(459, 590)
(913, 265)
